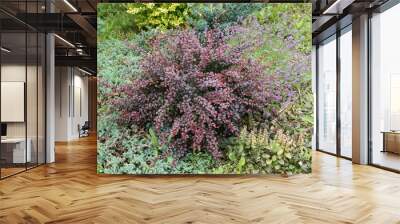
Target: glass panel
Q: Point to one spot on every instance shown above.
(386, 89)
(31, 97)
(13, 86)
(327, 96)
(346, 93)
(32, 89)
(22, 88)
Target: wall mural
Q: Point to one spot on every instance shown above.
(204, 88)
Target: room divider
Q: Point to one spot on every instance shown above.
(22, 89)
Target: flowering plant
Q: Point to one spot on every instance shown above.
(196, 91)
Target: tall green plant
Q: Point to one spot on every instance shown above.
(266, 151)
(114, 22)
(290, 18)
(220, 15)
(158, 15)
(124, 20)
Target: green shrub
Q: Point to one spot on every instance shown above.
(283, 147)
(220, 15)
(289, 19)
(114, 22)
(124, 20)
(297, 117)
(121, 151)
(280, 144)
(196, 93)
(263, 151)
(117, 61)
(158, 15)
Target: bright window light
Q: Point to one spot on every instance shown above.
(86, 72)
(70, 5)
(5, 50)
(64, 40)
(338, 6)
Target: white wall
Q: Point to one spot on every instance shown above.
(17, 73)
(79, 117)
(62, 81)
(70, 83)
(14, 72)
(34, 125)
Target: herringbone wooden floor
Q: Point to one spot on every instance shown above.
(70, 191)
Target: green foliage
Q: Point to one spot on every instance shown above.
(273, 53)
(117, 61)
(158, 15)
(121, 152)
(113, 22)
(282, 146)
(154, 139)
(122, 21)
(263, 151)
(298, 117)
(221, 15)
(196, 163)
(292, 18)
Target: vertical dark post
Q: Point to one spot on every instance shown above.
(338, 123)
(0, 94)
(317, 97)
(45, 96)
(26, 86)
(73, 91)
(37, 87)
(369, 96)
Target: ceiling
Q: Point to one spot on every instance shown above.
(73, 21)
(332, 15)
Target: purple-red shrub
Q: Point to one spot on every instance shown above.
(195, 91)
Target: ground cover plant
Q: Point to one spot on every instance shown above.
(204, 88)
